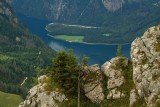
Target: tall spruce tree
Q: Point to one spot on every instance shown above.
(119, 49)
(65, 72)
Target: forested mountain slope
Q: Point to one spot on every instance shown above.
(122, 19)
(20, 53)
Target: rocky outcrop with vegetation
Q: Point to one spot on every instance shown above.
(117, 82)
(121, 82)
(6, 11)
(145, 54)
(114, 72)
(92, 85)
(38, 97)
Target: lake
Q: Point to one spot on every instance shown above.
(97, 53)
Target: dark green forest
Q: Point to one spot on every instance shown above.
(20, 54)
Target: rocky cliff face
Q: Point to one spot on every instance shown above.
(38, 97)
(145, 54)
(6, 11)
(93, 86)
(113, 5)
(134, 83)
(116, 79)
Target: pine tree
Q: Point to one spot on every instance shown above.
(119, 53)
(65, 72)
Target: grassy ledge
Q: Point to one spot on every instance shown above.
(70, 38)
(9, 100)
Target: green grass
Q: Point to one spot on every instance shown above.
(70, 38)
(107, 34)
(157, 47)
(5, 57)
(9, 100)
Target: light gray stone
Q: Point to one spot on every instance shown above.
(115, 94)
(37, 96)
(115, 77)
(133, 97)
(4, 10)
(146, 65)
(93, 88)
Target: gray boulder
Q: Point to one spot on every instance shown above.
(114, 73)
(92, 83)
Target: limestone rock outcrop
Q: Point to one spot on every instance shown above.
(92, 83)
(145, 55)
(113, 5)
(114, 72)
(133, 97)
(6, 11)
(38, 97)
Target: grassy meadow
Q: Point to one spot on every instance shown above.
(70, 38)
(9, 100)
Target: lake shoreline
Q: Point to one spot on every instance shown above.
(88, 43)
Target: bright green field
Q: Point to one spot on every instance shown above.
(107, 34)
(4, 57)
(70, 38)
(9, 100)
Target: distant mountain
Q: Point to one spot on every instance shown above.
(77, 11)
(20, 53)
(66, 10)
(124, 19)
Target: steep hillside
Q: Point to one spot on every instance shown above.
(123, 19)
(20, 53)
